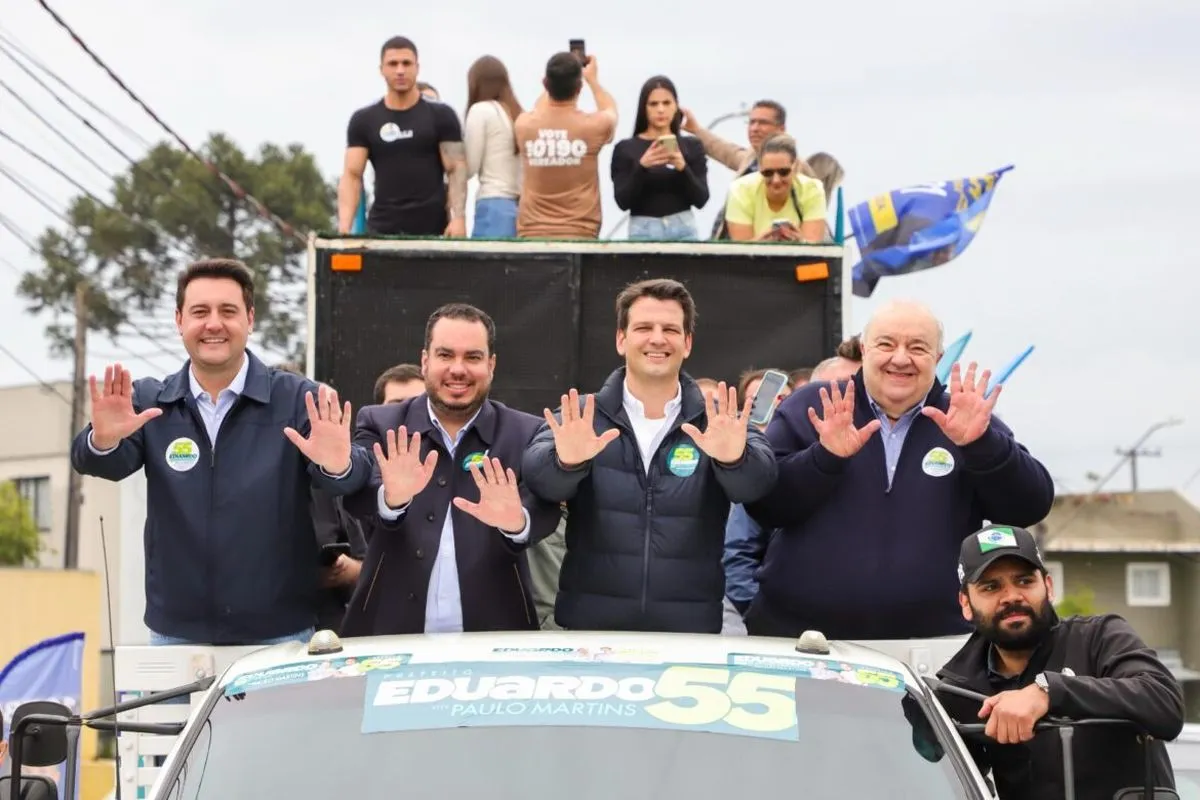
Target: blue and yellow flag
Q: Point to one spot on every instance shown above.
(918, 227)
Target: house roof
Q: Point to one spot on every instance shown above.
(1121, 522)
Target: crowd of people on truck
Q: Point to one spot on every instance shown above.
(877, 503)
(538, 170)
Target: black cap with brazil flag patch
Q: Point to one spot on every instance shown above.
(980, 550)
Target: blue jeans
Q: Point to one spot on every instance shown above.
(495, 218)
(679, 227)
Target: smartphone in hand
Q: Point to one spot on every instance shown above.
(763, 407)
(578, 47)
(331, 552)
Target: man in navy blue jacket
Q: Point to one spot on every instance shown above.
(880, 479)
(231, 554)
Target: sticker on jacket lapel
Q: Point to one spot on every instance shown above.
(182, 454)
(476, 458)
(683, 460)
(938, 462)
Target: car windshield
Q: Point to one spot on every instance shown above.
(376, 727)
(1187, 784)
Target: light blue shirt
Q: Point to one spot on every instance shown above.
(213, 411)
(894, 434)
(443, 606)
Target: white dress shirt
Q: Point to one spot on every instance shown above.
(650, 432)
(443, 606)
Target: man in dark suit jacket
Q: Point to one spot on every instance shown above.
(448, 519)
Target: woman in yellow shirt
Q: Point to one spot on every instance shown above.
(778, 202)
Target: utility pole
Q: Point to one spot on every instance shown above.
(78, 393)
(1133, 454)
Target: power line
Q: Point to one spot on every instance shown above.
(134, 164)
(33, 374)
(8, 39)
(260, 208)
(9, 173)
(281, 300)
(16, 231)
(53, 129)
(45, 162)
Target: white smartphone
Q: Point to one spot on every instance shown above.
(763, 407)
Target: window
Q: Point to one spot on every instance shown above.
(853, 741)
(1055, 570)
(36, 492)
(1148, 584)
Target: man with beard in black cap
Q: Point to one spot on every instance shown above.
(1032, 665)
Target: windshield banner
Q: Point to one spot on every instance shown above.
(822, 670)
(305, 671)
(732, 700)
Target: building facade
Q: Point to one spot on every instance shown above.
(35, 441)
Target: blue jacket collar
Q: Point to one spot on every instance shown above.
(177, 386)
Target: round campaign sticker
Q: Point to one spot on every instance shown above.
(182, 454)
(683, 460)
(938, 462)
(475, 458)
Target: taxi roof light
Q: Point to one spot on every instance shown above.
(323, 642)
(813, 642)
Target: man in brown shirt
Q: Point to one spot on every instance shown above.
(559, 143)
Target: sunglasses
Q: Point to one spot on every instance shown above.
(783, 172)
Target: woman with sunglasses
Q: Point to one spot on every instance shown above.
(659, 175)
(779, 202)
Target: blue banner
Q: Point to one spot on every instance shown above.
(727, 699)
(918, 227)
(51, 670)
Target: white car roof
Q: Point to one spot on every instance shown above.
(551, 646)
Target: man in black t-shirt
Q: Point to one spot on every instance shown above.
(416, 149)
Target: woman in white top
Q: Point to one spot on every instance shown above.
(492, 153)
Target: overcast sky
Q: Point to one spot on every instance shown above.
(1085, 252)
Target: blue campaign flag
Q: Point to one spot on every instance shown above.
(360, 214)
(51, 670)
(918, 227)
(953, 353)
(1006, 373)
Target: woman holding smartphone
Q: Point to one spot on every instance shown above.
(779, 202)
(659, 176)
(491, 146)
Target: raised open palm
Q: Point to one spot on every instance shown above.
(724, 435)
(575, 439)
(113, 415)
(328, 442)
(835, 425)
(970, 410)
(401, 470)
(499, 503)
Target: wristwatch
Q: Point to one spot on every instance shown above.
(1041, 682)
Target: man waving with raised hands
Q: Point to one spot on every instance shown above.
(450, 523)
(648, 469)
(880, 479)
(231, 554)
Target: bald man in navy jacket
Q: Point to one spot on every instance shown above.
(880, 479)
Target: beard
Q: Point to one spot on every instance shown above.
(456, 409)
(1040, 621)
